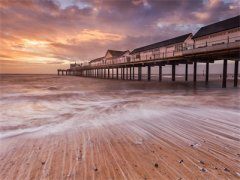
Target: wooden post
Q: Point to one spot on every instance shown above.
(159, 72)
(186, 72)
(236, 74)
(130, 73)
(207, 72)
(123, 73)
(117, 73)
(108, 73)
(149, 73)
(133, 74)
(139, 73)
(127, 73)
(112, 73)
(173, 71)
(224, 80)
(195, 71)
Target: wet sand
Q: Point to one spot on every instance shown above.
(167, 134)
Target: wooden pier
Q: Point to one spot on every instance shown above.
(218, 41)
(126, 71)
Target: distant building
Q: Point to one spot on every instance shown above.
(164, 49)
(114, 57)
(111, 57)
(75, 65)
(222, 32)
(97, 61)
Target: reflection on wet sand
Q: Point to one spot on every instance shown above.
(73, 128)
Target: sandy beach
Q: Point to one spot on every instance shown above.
(52, 128)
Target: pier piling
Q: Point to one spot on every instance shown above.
(149, 73)
(236, 73)
(173, 71)
(195, 71)
(160, 73)
(133, 73)
(224, 80)
(130, 73)
(186, 72)
(207, 72)
(117, 72)
(139, 73)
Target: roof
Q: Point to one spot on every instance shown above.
(96, 60)
(224, 25)
(175, 40)
(115, 53)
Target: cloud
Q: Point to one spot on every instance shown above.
(55, 31)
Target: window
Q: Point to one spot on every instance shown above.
(178, 47)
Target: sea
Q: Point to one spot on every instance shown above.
(50, 104)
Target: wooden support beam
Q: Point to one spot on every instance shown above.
(207, 72)
(173, 71)
(195, 71)
(236, 73)
(117, 73)
(123, 77)
(149, 73)
(108, 73)
(127, 73)
(139, 73)
(133, 74)
(159, 72)
(121, 73)
(186, 72)
(130, 73)
(224, 80)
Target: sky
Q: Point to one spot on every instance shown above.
(40, 36)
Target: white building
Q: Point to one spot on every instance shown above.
(112, 57)
(164, 49)
(116, 57)
(97, 62)
(223, 32)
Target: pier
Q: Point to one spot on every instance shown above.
(126, 71)
(218, 41)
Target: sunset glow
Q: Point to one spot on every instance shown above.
(39, 36)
